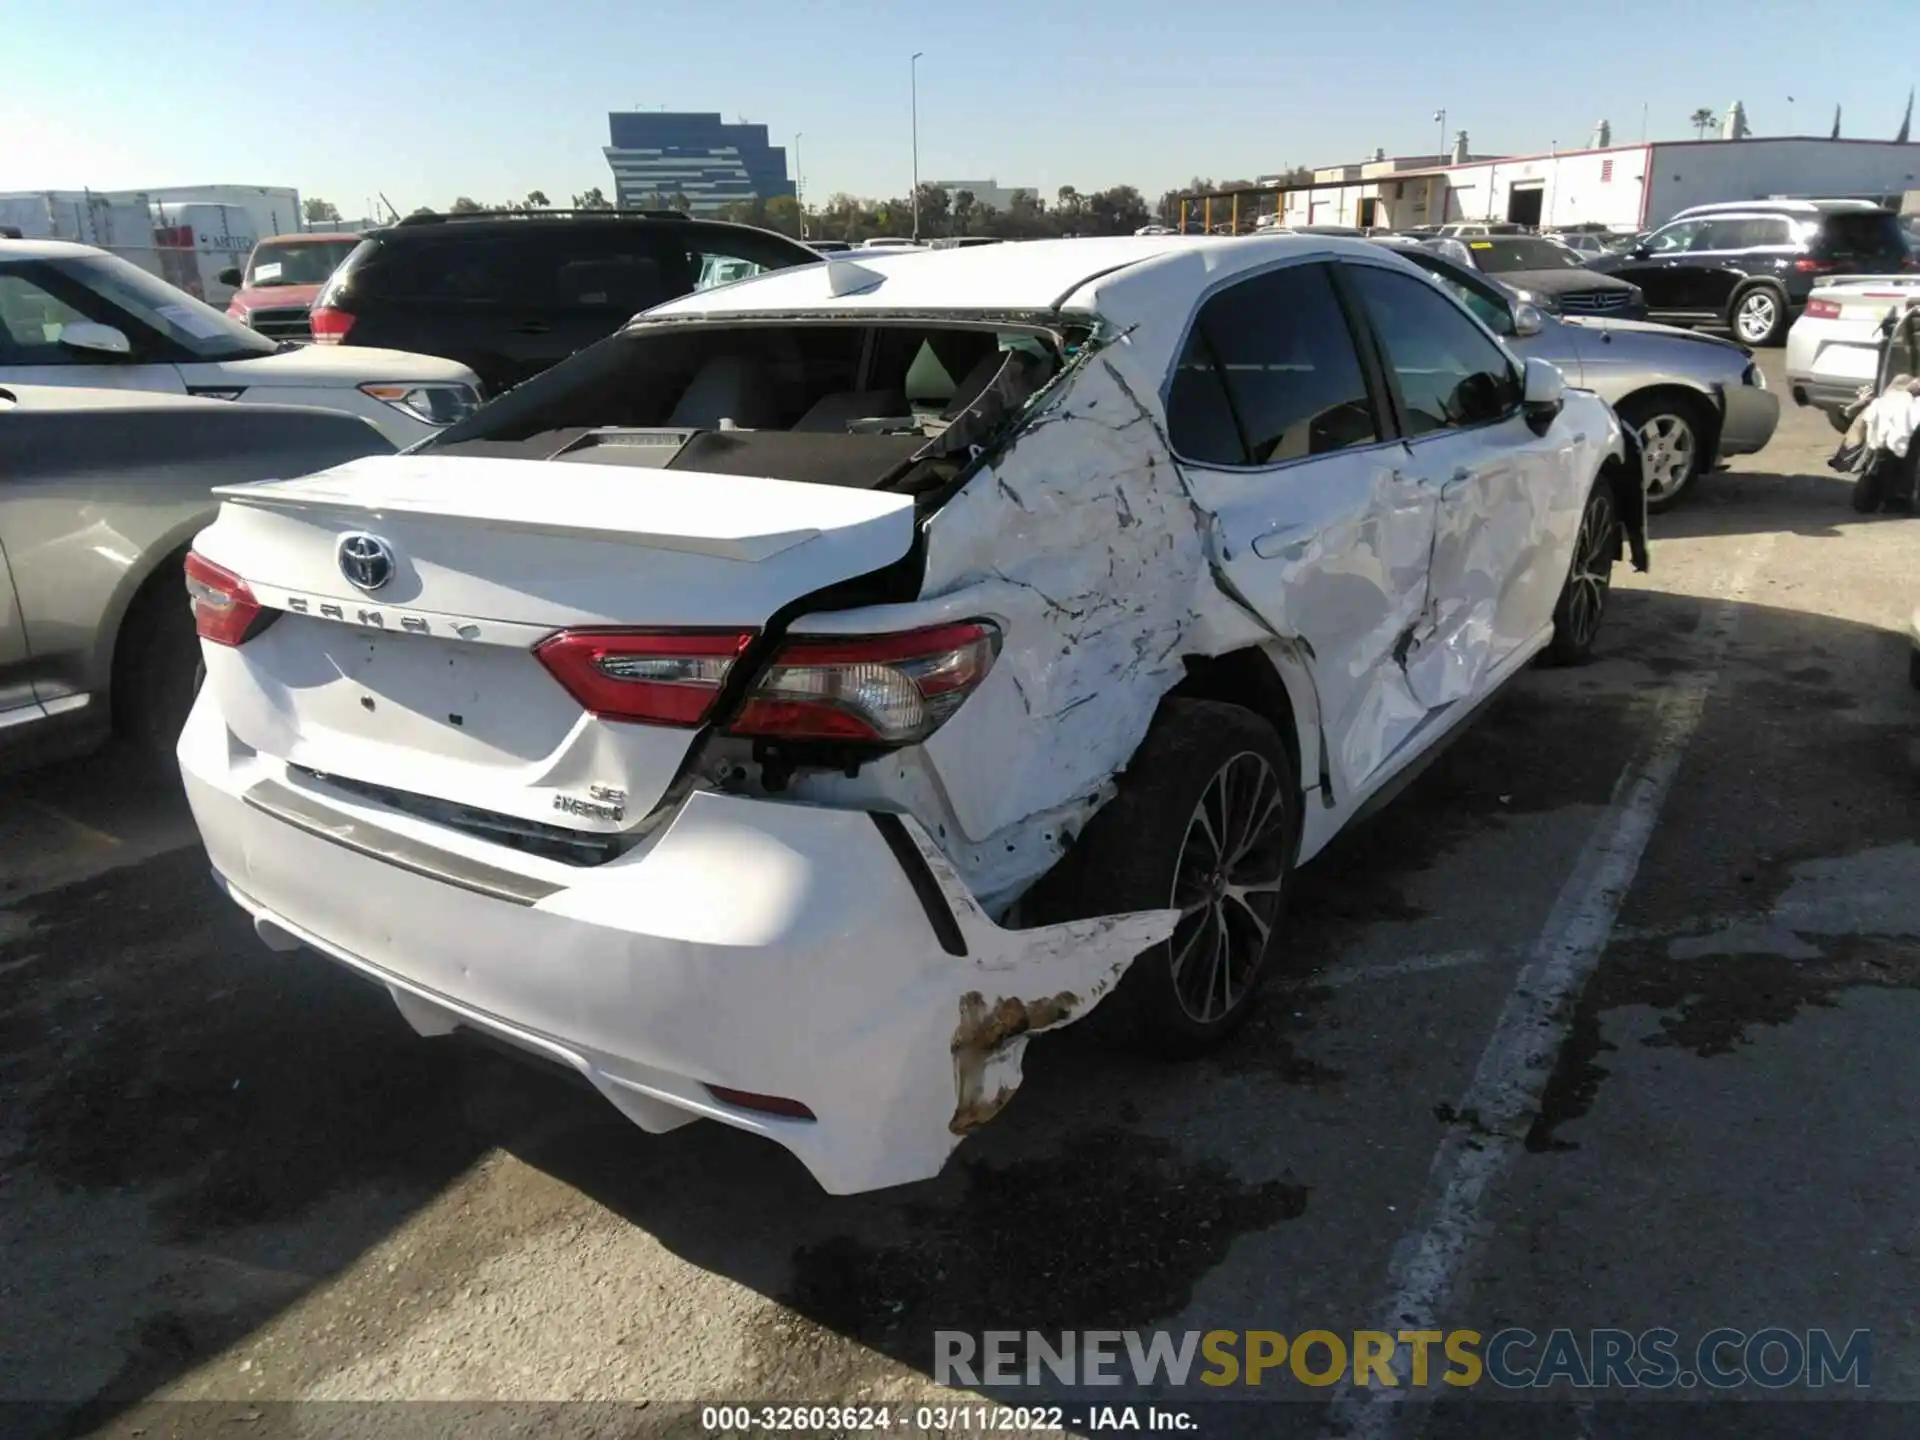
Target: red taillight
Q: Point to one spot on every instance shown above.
(1807, 266)
(330, 326)
(766, 1104)
(873, 689)
(655, 677)
(1822, 310)
(223, 607)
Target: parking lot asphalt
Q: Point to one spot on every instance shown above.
(1607, 1021)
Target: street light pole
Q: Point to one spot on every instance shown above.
(799, 184)
(913, 92)
(1440, 118)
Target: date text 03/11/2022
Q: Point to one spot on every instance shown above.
(940, 1419)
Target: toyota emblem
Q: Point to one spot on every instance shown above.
(366, 561)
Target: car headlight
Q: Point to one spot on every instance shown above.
(437, 404)
(1538, 301)
(1754, 376)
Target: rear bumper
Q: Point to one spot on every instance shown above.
(1829, 360)
(775, 949)
(1752, 415)
(1827, 395)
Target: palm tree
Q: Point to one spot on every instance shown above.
(1702, 121)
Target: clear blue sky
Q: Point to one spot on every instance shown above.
(429, 99)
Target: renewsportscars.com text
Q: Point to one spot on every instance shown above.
(1772, 1358)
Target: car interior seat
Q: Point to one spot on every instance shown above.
(728, 387)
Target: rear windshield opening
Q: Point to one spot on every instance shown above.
(1862, 233)
(865, 405)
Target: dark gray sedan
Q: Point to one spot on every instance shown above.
(1693, 399)
(1545, 273)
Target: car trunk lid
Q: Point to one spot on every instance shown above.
(428, 683)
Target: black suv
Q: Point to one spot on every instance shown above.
(1751, 266)
(508, 294)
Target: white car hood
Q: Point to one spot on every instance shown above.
(332, 366)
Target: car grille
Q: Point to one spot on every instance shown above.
(1596, 302)
(286, 323)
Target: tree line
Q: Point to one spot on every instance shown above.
(1117, 210)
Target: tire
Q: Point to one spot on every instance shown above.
(1867, 490)
(157, 667)
(1583, 599)
(1149, 849)
(1758, 316)
(1913, 668)
(1675, 439)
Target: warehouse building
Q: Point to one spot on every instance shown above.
(1624, 187)
(657, 155)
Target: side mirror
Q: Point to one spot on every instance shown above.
(231, 276)
(1527, 320)
(95, 339)
(1544, 395)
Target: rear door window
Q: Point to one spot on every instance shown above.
(475, 271)
(1278, 350)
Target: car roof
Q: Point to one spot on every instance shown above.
(440, 227)
(301, 237)
(1147, 285)
(46, 250)
(1776, 207)
(1036, 277)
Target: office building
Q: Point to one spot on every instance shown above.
(658, 154)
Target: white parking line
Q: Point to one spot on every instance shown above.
(1343, 975)
(1430, 1264)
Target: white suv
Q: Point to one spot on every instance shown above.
(74, 315)
(784, 708)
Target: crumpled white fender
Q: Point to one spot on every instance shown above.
(1081, 531)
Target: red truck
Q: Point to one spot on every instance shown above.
(281, 278)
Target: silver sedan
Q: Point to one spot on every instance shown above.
(1694, 399)
(100, 493)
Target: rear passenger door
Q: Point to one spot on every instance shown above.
(1724, 255)
(1503, 507)
(1320, 530)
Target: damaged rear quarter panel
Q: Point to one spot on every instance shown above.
(1082, 539)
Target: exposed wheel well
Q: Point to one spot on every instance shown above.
(1246, 678)
(1701, 406)
(152, 590)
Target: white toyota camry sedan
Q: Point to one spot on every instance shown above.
(783, 709)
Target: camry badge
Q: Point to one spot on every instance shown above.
(366, 560)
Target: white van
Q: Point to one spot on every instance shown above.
(197, 240)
